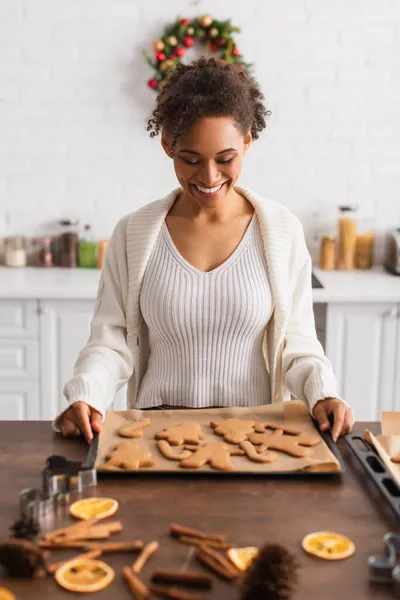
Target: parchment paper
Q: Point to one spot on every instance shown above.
(388, 443)
(294, 413)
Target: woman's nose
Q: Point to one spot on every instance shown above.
(209, 174)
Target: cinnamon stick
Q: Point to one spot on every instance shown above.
(220, 567)
(47, 545)
(172, 593)
(137, 587)
(199, 542)
(190, 579)
(68, 533)
(114, 547)
(224, 562)
(144, 557)
(84, 530)
(104, 530)
(178, 530)
(51, 569)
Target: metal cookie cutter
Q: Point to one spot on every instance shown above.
(383, 569)
(60, 478)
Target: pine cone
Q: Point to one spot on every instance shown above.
(22, 558)
(272, 575)
(25, 528)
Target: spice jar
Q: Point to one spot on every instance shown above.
(43, 253)
(68, 245)
(15, 252)
(365, 250)
(347, 237)
(327, 259)
(101, 250)
(87, 249)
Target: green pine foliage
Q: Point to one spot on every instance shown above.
(222, 44)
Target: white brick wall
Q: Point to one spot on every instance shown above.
(73, 105)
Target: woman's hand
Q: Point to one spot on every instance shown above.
(79, 419)
(342, 416)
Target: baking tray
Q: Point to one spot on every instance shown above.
(326, 436)
(376, 469)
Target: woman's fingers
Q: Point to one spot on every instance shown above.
(321, 414)
(81, 416)
(68, 428)
(95, 420)
(339, 414)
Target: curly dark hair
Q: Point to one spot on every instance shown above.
(205, 88)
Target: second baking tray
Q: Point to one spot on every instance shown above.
(376, 470)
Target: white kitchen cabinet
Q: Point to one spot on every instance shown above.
(363, 346)
(19, 319)
(64, 330)
(19, 400)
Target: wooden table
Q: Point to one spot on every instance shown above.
(251, 511)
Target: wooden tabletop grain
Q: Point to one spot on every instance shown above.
(252, 511)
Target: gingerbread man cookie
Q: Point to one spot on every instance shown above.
(233, 430)
(178, 435)
(129, 456)
(263, 426)
(134, 430)
(217, 454)
(290, 444)
(166, 451)
(255, 456)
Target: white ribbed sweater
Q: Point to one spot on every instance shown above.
(206, 329)
(118, 351)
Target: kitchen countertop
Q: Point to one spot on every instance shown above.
(375, 285)
(252, 511)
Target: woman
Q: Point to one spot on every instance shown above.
(205, 296)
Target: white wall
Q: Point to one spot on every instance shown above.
(73, 105)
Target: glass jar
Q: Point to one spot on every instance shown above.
(68, 245)
(101, 250)
(87, 249)
(43, 253)
(347, 237)
(15, 252)
(327, 260)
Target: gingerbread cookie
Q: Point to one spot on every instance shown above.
(129, 456)
(290, 444)
(178, 435)
(233, 430)
(166, 451)
(263, 426)
(134, 430)
(255, 456)
(217, 454)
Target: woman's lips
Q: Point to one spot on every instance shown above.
(209, 192)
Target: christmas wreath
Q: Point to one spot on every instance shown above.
(181, 35)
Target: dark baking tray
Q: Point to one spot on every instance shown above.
(326, 436)
(376, 469)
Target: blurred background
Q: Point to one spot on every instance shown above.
(74, 152)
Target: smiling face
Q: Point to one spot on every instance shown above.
(208, 159)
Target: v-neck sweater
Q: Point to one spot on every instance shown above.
(118, 350)
(206, 329)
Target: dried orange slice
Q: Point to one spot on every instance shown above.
(242, 557)
(101, 508)
(328, 545)
(6, 594)
(84, 575)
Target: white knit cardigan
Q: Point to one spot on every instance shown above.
(118, 348)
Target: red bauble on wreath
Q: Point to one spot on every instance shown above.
(183, 34)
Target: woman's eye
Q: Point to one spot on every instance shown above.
(189, 162)
(224, 162)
